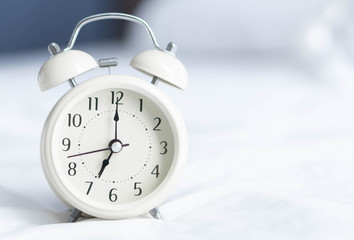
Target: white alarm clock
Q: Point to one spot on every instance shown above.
(113, 146)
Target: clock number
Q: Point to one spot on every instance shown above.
(72, 170)
(158, 120)
(74, 120)
(116, 97)
(155, 171)
(141, 104)
(137, 188)
(66, 143)
(112, 196)
(89, 188)
(93, 103)
(164, 147)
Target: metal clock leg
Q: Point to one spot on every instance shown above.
(172, 48)
(155, 213)
(53, 49)
(75, 214)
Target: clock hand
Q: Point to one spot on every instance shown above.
(116, 119)
(104, 164)
(115, 146)
(99, 150)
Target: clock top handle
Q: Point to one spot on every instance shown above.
(64, 65)
(105, 16)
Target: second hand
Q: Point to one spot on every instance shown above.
(99, 150)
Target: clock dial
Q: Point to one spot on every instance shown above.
(113, 146)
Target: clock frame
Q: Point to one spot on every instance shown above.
(51, 145)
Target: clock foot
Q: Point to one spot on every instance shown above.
(75, 214)
(172, 48)
(54, 49)
(155, 213)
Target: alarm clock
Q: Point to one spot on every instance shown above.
(113, 146)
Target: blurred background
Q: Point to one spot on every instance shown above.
(42, 22)
(305, 34)
(223, 27)
(268, 111)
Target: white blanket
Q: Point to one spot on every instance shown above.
(271, 155)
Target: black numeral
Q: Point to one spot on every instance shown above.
(89, 188)
(74, 120)
(138, 189)
(117, 96)
(72, 169)
(66, 143)
(155, 171)
(140, 104)
(112, 196)
(93, 103)
(164, 147)
(158, 120)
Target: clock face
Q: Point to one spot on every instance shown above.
(111, 146)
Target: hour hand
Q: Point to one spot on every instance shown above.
(104, 164)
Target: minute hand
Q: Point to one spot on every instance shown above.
(116, 119)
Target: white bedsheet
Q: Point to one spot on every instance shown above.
(271, 155)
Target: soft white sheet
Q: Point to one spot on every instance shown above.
(271, 155)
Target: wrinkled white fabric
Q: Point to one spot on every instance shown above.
(271, 154)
